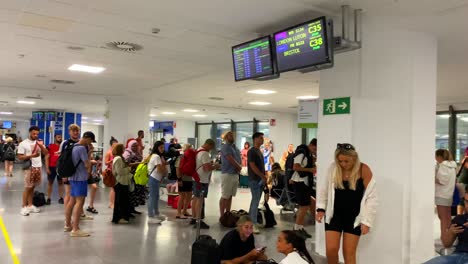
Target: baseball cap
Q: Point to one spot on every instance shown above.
(89, 134)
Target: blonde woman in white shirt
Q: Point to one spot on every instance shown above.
(348, 202)
(445, 178)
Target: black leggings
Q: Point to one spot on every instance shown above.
(122, 203)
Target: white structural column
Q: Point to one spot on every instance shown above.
(125, 117)
(392, 84)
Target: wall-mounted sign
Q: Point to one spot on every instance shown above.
(337, 106)
(307, 114)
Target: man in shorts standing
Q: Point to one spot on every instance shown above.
(230, 169)
(29, 151)
(81, 157)
(51, 163)
(204, 167)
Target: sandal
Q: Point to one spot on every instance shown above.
(92, 210)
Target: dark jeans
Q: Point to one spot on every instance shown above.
(122, 203)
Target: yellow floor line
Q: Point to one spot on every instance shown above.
(8, 242)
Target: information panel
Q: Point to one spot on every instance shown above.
(38, 115)
(302, 46)
(252, 59)
(50, 116)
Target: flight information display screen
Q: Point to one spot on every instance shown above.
(50, 116)
(253, 59)
(302, 46)
(38, 115)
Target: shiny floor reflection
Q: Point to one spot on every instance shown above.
(39, 238)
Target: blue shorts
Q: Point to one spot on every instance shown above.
(197, 193)
(79, 188)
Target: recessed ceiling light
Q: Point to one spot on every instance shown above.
(85, 68)
(152, 115)
(97, 120)
(26, 102)
(261, 91)
(6, 113)
(191, 110)
(259, 103)
(199, 115)
(307, 97)
(168, 113)
(84, 117)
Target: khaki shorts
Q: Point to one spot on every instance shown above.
(443, 201)
(229, 184)
(32, 177)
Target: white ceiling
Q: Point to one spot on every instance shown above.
(189, 60)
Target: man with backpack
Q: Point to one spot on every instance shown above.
(29, 151)
(80, 169)
(74, 133)
(204, 167)
(304, 169)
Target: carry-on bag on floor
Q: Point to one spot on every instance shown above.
(205, 250)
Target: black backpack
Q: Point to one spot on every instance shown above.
(288, 166)
(303, 149)
(65, 165)
(9, 153)
(266, 218)
(38, 199)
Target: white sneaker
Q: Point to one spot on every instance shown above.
(154, 220)
(256, 230)
(24, 211)
(33, 209)
(161, 217)
(86, 217)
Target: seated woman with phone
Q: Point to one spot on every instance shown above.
(238, 245)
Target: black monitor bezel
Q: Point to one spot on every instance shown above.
(272, 61)
(326, 39)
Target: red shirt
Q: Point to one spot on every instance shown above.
(53, 156)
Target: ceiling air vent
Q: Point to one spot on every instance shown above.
(124, 46)
(75, 48)
(62, 81)
(216, 98)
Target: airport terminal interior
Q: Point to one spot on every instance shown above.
(383, 80)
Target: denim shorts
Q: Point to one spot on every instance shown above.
(197, 193)
(79, 188)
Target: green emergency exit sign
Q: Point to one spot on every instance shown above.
(337, 106)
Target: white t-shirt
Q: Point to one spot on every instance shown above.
(296, 177)
(26, 147)
(155, 161)
(293, 258)
(203, 157)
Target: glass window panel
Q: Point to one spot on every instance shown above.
(462, 136)
(264, 127)
(244, 132)
(204, 133)
(442, 131)
(221, 129)
(310, 134)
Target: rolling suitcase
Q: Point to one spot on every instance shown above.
(205, 250)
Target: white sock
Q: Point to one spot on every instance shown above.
(298, 227)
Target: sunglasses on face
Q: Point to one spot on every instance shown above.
(345, 146)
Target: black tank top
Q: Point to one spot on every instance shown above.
(348, 202)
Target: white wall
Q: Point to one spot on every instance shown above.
(98, 131)
(284, 133)
(184, 129)
(392, 85)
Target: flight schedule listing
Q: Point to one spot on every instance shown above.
(252, 59)
(301, 46)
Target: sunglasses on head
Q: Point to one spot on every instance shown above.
(345, 146)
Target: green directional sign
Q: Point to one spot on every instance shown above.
(337, 106)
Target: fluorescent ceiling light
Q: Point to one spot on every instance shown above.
(191, 110)
(6, 113)
(152, 115)
(261, 91)
(85, 68)
(97, 120)
(199, 115)
(97, 124)
(168, 113)
(26, 102)
(84, 122)
(307, 97)
(259, 103)
(84, 117)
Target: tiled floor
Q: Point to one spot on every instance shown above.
(39, 238)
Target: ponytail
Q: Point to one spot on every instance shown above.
(298, 244)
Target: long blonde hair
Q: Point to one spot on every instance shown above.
(338, 172)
